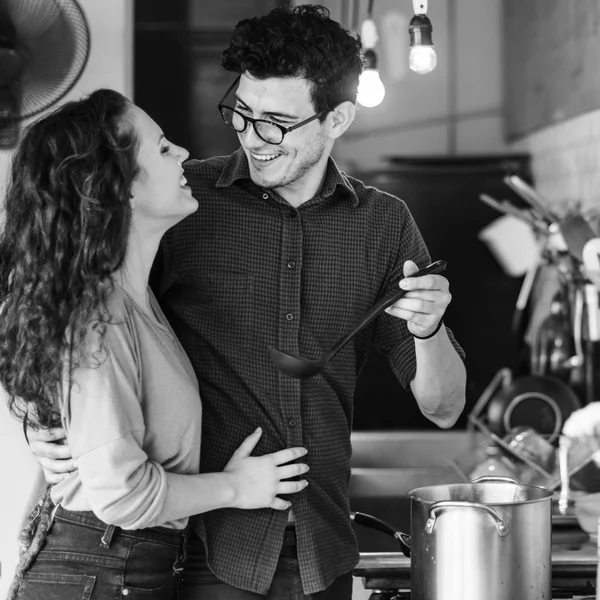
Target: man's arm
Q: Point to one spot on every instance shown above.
(440, 381)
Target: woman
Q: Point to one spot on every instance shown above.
(83, 342)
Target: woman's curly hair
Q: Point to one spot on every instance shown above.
(302, 41)
(66, 227)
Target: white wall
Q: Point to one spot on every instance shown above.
(110, 65)
(456, 109)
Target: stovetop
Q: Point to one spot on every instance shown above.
(574, 565)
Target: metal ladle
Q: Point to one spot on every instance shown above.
(301, 368)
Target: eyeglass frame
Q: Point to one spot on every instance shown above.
(284, 130)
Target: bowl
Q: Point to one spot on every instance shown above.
(587, 512)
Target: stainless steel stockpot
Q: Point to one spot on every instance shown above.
(489, 539)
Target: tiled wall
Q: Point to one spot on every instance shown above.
(566, 163)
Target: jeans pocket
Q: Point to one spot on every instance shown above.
(150, 567)
(56, 586)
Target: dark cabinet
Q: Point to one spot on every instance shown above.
(443, 196)
(178, 78)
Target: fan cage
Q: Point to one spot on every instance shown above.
(53, 39)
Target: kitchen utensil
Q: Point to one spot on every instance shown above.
(592, 343)
(576, 232)
(300, 367)
(537, 401)
(575, 229)
(527, 286)
(591, 261)
(375, 523)
(527, 193)
(495, 463)
(583, 473)
(553, 346)
(506, 207)
(578, 359)
(572, 232)
(526, 442)
(486, 539)
(563, 465)
(512, 242)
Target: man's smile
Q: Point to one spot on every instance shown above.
(264, 157)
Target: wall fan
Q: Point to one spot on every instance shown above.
(44, 47)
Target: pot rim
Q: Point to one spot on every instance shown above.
(546, 493)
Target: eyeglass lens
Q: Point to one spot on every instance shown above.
(266, 131)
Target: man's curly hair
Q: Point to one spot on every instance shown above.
(302, 41)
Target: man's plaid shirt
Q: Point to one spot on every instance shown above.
(248, 271)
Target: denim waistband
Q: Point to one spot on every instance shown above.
(162, 535)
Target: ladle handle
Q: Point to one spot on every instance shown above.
(436, 506)
(439, 266)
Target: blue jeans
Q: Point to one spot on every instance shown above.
(198, 582)
(84, 559)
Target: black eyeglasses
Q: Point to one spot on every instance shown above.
(269, 132)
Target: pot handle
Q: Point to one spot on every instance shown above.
(500, 524)
(370, 521)
(497, 478)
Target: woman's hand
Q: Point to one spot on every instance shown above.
(49, 448)
(258, 480)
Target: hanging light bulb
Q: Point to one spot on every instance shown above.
(422, 58)
(368, 33)
(371, 90)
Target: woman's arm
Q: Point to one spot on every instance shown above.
(108, 435)
(125, 488)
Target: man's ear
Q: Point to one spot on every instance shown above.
(342, 116)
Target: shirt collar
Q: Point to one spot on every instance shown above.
(237, 168)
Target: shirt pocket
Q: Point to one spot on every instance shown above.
(219, 305)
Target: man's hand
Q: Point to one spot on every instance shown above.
(425, 304)
(50, 450)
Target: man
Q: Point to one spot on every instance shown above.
(287, 251)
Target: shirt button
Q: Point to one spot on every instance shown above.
(291, 264)
(292, 422)
(125, 592)
(289, 317)
(265, 196)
